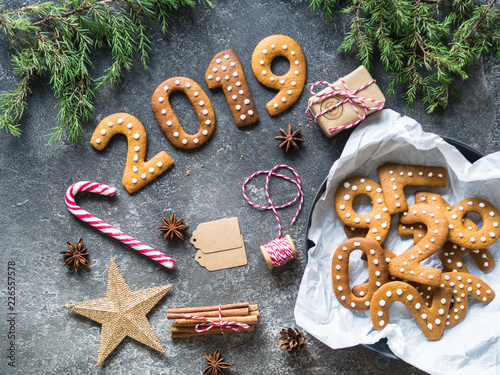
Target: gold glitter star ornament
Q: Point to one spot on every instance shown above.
(122, 313)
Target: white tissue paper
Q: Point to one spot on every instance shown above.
(471, 346)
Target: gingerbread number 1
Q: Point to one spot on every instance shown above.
(138, 172)
(290, 85)
(225, 71)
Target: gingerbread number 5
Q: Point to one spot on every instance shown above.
(290, 85)
(138, 173)
(160, 102)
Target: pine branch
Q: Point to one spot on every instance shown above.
(56, 40)
(425, 46)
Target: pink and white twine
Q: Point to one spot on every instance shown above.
(209, 324)
(97, 188)
(350, 96)
(279, 250)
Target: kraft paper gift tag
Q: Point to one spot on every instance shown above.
(220, 244)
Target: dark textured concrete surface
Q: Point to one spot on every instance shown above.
(35, 223)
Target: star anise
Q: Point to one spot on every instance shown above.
(289, 138)
(173, 227)
(76, 255)
(215, 364)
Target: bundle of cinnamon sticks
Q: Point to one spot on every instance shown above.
(237, 312)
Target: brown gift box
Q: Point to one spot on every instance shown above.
(345, 114)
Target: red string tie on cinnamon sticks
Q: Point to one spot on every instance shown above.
(198, 321)
(204, 327)
(350, 97)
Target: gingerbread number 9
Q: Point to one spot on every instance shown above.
(290, 85)
(160, 102)
(138, 173)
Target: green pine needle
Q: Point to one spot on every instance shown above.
(426, 45)
(55, 40)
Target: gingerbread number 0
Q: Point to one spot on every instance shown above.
(138, 173)
(290, 85)
(225, 71)
(168, 120)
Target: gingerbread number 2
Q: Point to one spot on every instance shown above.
(290, 85)
(225, 71)
(138, 172)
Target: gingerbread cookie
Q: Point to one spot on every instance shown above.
(167, 119)
(290, 85)
(430, 319)
(225, 71)
(394, 177)
(138, 172)
(407, 265)
(464, 285)
(377, 270)
(470, 238)
(451, 254)
(377, 221)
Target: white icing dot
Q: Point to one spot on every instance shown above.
(294, 83)
(208, 122)
(196, 141)
(243, 117)
(163, 111)
(151, 170)
(136, 158)
(159, 164)
(381, 302)
(177, 82)
(205, 112)
(165, 88)
(238, 107)
(136, 136)
(169, 123)
(134, 181)
(264, 51)
(103, 131)
(246, 101)
(204, 132)
(409, 297)
(417, 306)
(134, 168)
(184, 141)
(110, 124)
(176, 134)
(98, 140)
(160, 99)
(196, 93)
(129, 125)
(143, 176)
(264, 72)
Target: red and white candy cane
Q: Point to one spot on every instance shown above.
(203, 327)
(94, 187)
(281, 250)
(350, 97)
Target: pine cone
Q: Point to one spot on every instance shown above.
(291, 340)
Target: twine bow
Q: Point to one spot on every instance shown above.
(350, 96)
(200, 327)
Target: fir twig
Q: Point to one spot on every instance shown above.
(425, 45)
(56, 40)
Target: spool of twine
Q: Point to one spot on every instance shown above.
(279, 252)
